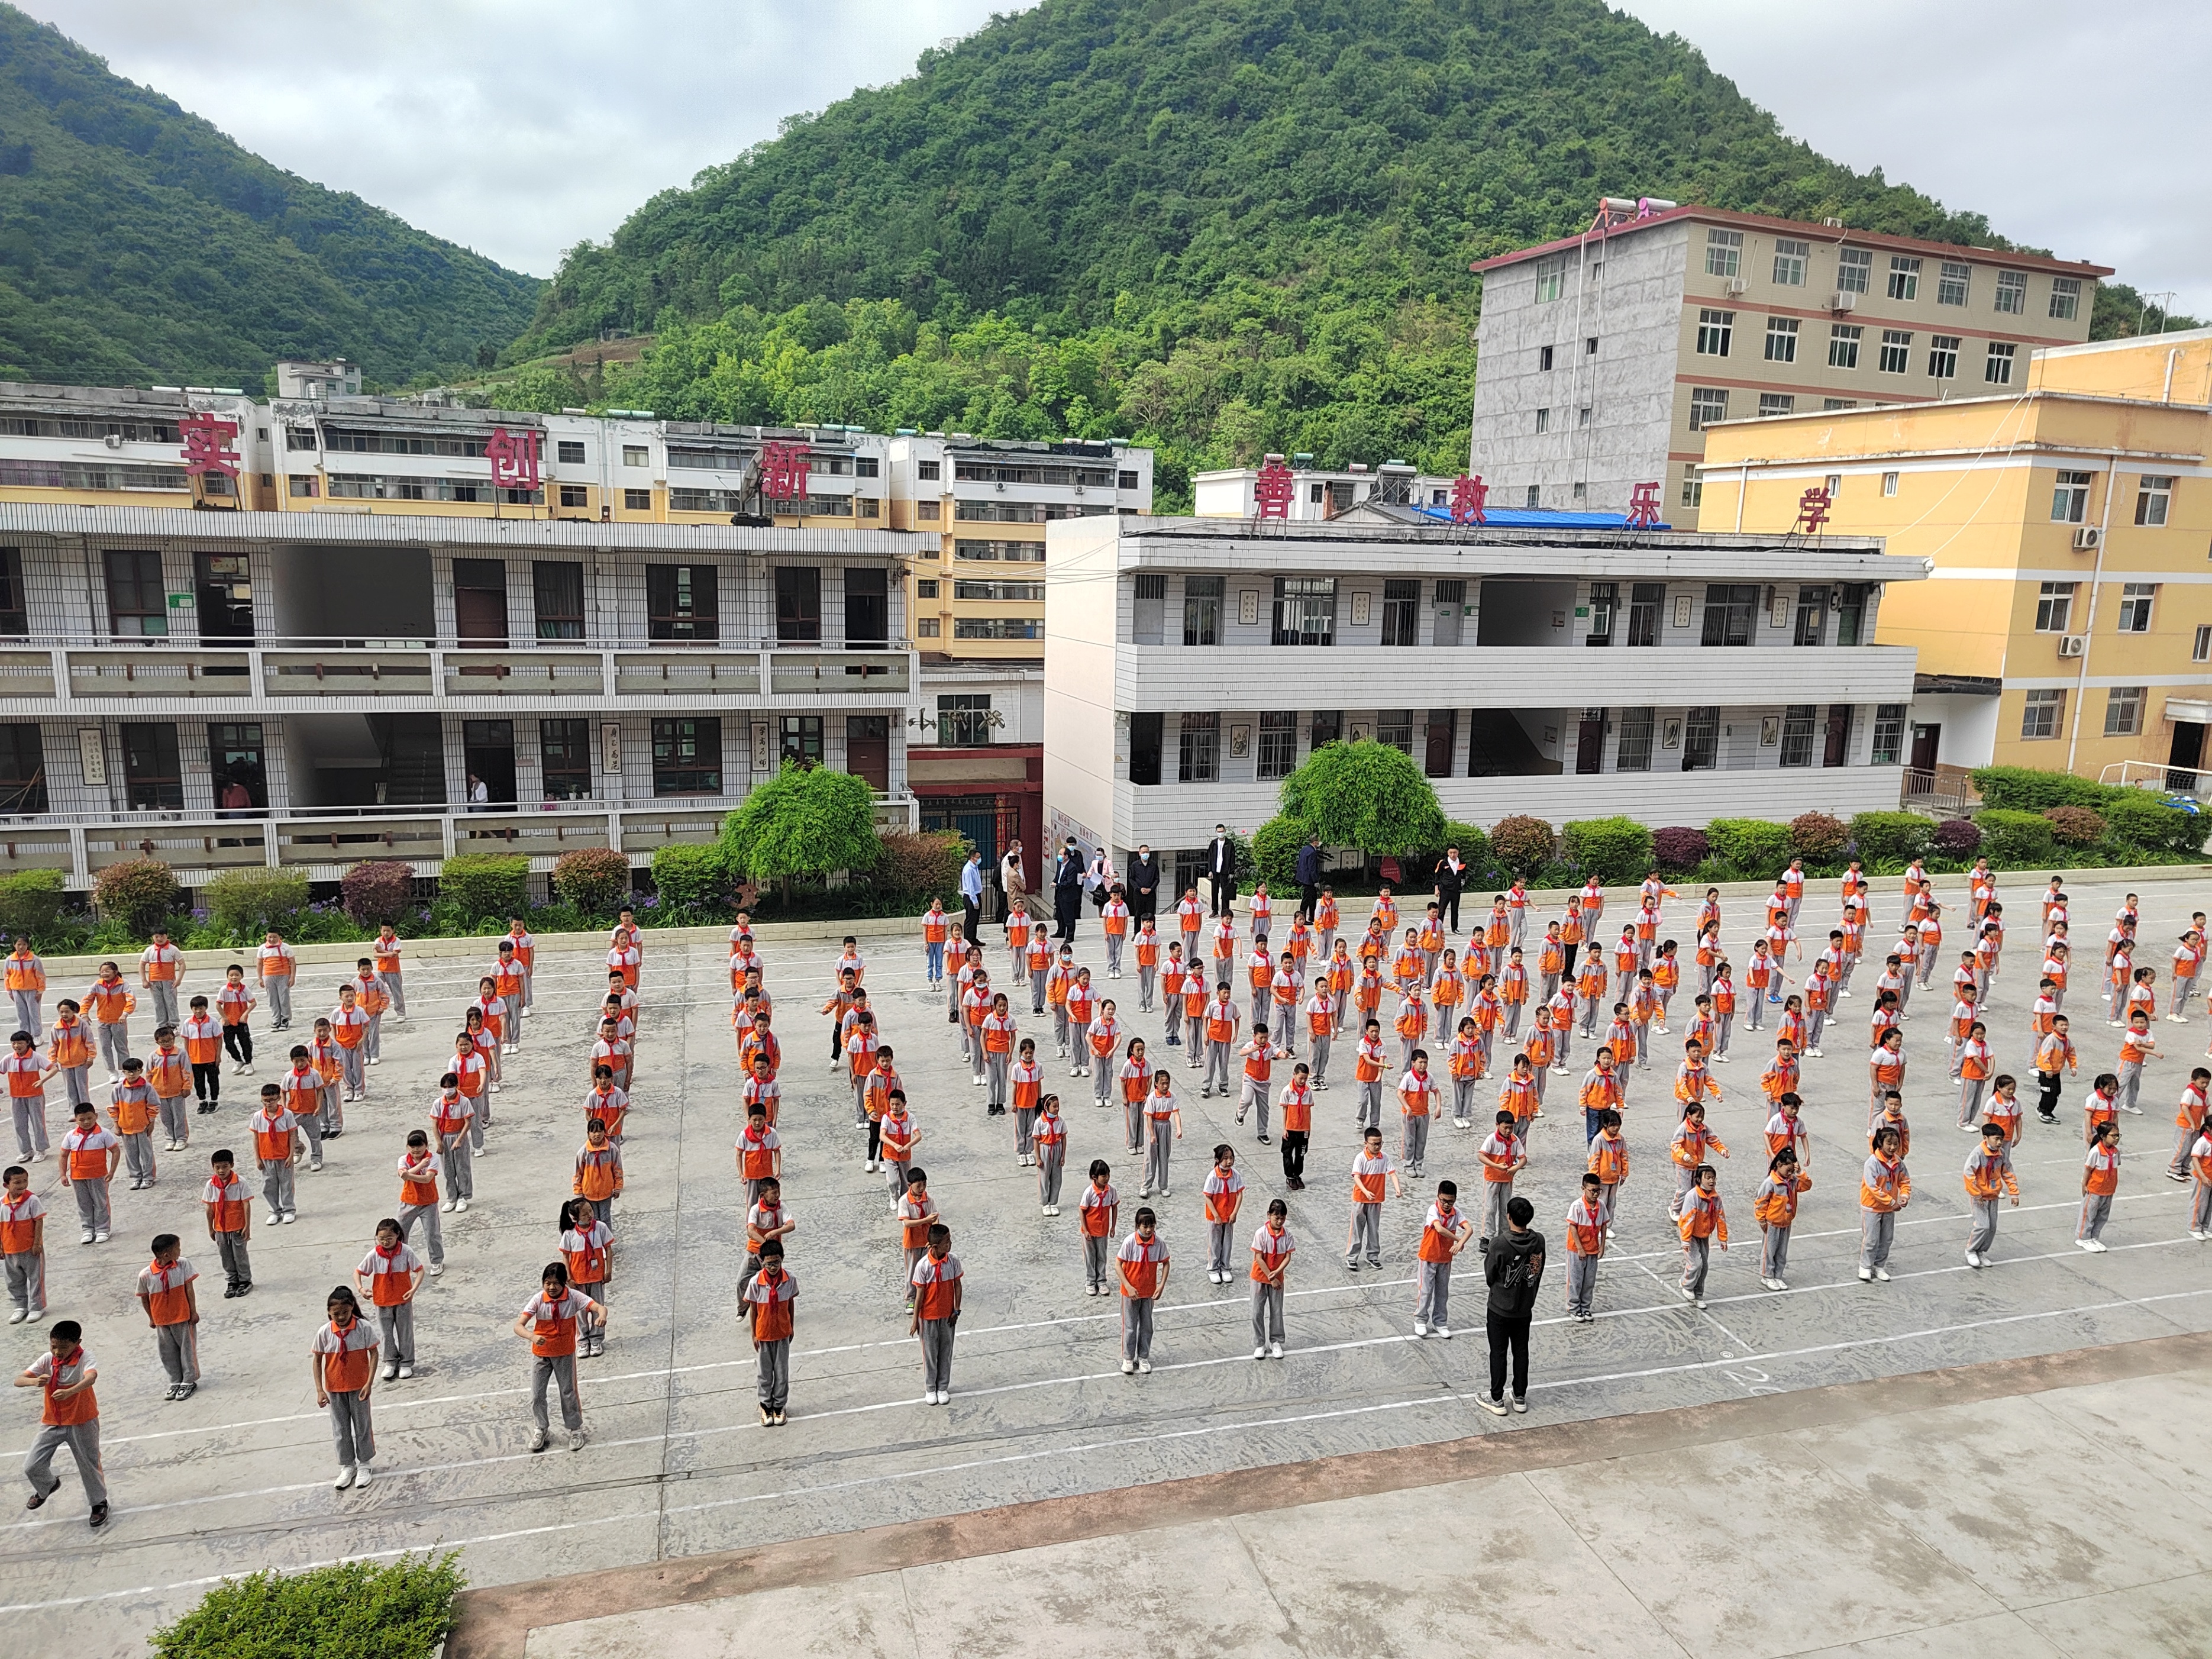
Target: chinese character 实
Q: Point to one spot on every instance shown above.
(206, 440)
(514, 456)
(1811, 510)
(783, 471)
(1468, 498)
(1274, 489)
(1644, 507)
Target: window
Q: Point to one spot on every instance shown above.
(2123, 706)
(1715, 330)
(15, 610)
(2136, 601)
(1551, 282)
(1798, 723)
(568, 453)
(1853, 267)
(963, 720)
(1851, 618)
(559, 586)
(1278, 744)
(1402, 612)
(1843, 345)
(866, 466)
(1729, 607)
(1889, 483)
(1951, 283)
(1888, 734)
(1395, 727)
(2202, 650)
(1580, 492)
(1201, 609)
(1997, 368)
(1198, 751)
(1781, 339)
(1328, 727)
(997, 628)
(1812, 614)
(926, 589)
(2043, 714)
(1148, 609)
(1604, 601)
(1007, 592)
(575, 495)
(1589, 345)
(1777, 403)
(798, 605)
(1534, 498)
(1645, 601)
(1789, 263)
(1004, 552)
(1544, 358)
(1145, 747)
(679, 602)
(927, 469)
(1543, 420)
(302, 486)
(22, 768)
(799, 737)
(1723, 252)
(2012, 293)
(1634, 752)
(299, 437)
(1708, 404)
(2154, 495)
(637, 500)
(1305, 610)
(153, 781)
(1582, 416)
(1903, 277)
(1126, 480)
(1943, 356)
(636, 455)
(2054, 606)
(2065, 298)
(223, 589)
(1896, 350)
(1830, 405)
(2069, 498)
(925, 627)
(564, 749)
(1694, 491)
(137, 602)
(1701, 740)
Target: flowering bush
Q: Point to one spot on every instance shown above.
(595, 880)
(1520, 843)
(1958, 838)
(1817, 836)
(378, 891)
(2074, 826)
(1678, 849)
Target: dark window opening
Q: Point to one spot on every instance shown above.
(564, 751)
(480, 601)
(241, 784)
(687, 756)
(1701, 738)
(679, 602)
(1145, 744)
(1402, 612)
(23, 770)
(153, 778)
(559, 586)
(1730, 608)
(798, 605)
(137, 602)
(799, 739)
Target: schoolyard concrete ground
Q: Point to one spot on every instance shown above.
(239, 1477)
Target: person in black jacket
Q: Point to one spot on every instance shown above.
(1451, 877)
(1143, 881)
(1221, 869)
(1514, 1267)
(1310, 871)
(1068, 889)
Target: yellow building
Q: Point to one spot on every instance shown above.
(2070, 622)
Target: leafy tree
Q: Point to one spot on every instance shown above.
(1364, 795)
(805, 821)
(1275, 847)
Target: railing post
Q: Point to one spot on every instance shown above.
(80, 860)
(256, 676)
(65, 692)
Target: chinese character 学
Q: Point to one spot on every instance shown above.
(1811, 510)
(514, 457)
(1274, 489)
(206, 439)
(1644, 507)
(783, 471)
(1469, 497)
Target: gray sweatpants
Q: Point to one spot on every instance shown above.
(75, 1089)
(774, 1373)
(30, 1112)
(1366, 1233)
(1216, 1067)
(1416, 1139)
(1496, 1196)
(138, 1154)
(1052, 1165)
(114, 1044)
(560, 1369)
(1971, 1090)
(93, 1211)
(433, 1236)
(2096, 1211)
(1317, 1061)
(351, 1433)
(176, 1114)
(1369, 1114)
(936, 1355)
(1432, 1306)
(1137, 1326)
(1877, 1231)
(1253, 1097)
(277, 1187)
(1266, 1313)
(27, 1011)
(1697, 1258)
(396, 1323)
(457, 1162)
(1220, 1239)
(82, 1440)
(1773, 1251)
(237, 1269)
(1156, 1147)
(27, 1280)
(1097, 1253)
(1582, 1282)
(165, 1001)
(277, 990)
(178, 1346)
(1986, 1224)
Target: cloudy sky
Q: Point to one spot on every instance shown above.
(519, 127)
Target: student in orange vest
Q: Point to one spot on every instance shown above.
(1587, 1219)
(348, 1029)
(507, 982)
(2100, 1179)
(1504, 1154)
(229, 1209)
(1692, 1144)
(1373, 1177)
(372, 998)
(1224, 1193)
(548, 1322)
(936, 1286)
(1148, 963)
(1141, 1268)
(1049, 1150)
(131, 1109)
(767, 1220)
(587, 1246)
(598, 1171)
(451, 1113)
(1162, 1111)
(901, 1135)
(70, 1418)
(1417, 1110)
(2189, 1121)
(2200, 1191)
(1885, 1188)
(1114, 918)
(1608, 1162)
(1102, 1038)
(1258, 1054)
(274, 966)
(107, 1005)
(1018, 931)
(278, 1141)
(23, 1245)
(88, 1157)
(759, 1152)
(165, 1292)
(1099, 1211)
(389, 1275)
(1701, 1222)
(234, 1001)
(769, 1299)
(1775, 1208)
(328, 1060)
(1025, 1079)
(69, 1053)
(203, 1035)
(343, 1362)
(385, 948)
(1445, 1232)
(27, 984)
(418, 1197)
(161, 966)
(936, 929)
(170, 1075)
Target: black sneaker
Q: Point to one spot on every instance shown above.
(98, 1516)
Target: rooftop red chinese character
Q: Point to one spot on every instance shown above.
(1274, 489)
(206, 444)
(1468, 498)
(1644, 506)
(783, 471)
(514, 457)
(1813, 510)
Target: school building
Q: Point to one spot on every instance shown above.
(1565, 671)
(1606, 356)
(2068, 623)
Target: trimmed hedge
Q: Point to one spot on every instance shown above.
(1616, 850)
(595, 880)
(692, 878)
(2011, 837)
(920, 864)
(250, 902)
(354, 1610)
(2027, 789)
(1753, 848)
(30, 899)
(378, 891)
(2135, 818)
(1678, 849)
(485, 886)
(1818, 837)
(1879, 837)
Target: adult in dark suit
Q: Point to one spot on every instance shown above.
(1143, 881)
(1221, 869)
(1310, 864)
(1451, 878)
(1068, 889)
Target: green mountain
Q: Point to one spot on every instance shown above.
(1223, 225)
(137, 243)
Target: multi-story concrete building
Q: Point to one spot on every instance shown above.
(1604, 357)
(2069, 625)
(976, 760)
(1317, 493)
(979, 595)
(1191, 664)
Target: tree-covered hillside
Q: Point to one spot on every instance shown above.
(137, 243)
(1222, 225)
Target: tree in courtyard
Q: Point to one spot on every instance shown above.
(1366, 794)
(805, 821)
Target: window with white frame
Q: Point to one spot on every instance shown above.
(1831, 404)
(1582, 416)
(1951, 283)
(1535, 496)
(1708, 404)
(2202, 650)
(2043, 714)
(1543, 420)
(1544, 359)
(1854, 266)
(1278, 744)
(1903, 277)
(1781, 339)
(1888, 745)
(1943, 356)
(2054, 607)
(1715, 330)
(1896, 350)
(1694, 491)
(1777, 403)
(1843, 345)
(2136, 601)
(2012, 293)
(1789, 263)
(2069, 498)
(2124, 707)
(1551, 282)
(1889, 483)
(1997, 368)
(2065, 298)
(2154, 496)
(1723, 252)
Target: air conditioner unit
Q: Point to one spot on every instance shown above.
(2087, 538)
(2073, 645)
(1738, 284)
(1842, 299)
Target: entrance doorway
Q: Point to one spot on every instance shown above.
(868, 750)
(488, 750)
(1927, 740)
(1590, 741)
(2186, 755)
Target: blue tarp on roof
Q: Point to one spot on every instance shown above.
(1534, 517)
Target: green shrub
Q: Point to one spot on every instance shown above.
(246, 903)
(1902, 836)
(920, 865)
(378, 891)
(1954, 838)
(1275, 847)
(2028, 789)
(690, 877)
(2074, 826)
(1522, 844)
(804, 822)
(485, 886)
(30, 901)
(2012, 839)
(354, 1610)
(1366, 794)
(595, 880)
(1818, 837)
(1756, 848)
(1616, 850)
(2140, 821)
(140, 893)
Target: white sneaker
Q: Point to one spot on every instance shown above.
(460, 1203)
(1444, 1331)
(406, 1371)
(1274, 1351)
(1882, 1274)
(2197, 1232)
(447, 1207)
(1128, 1367)
(1815, 1053)
(17, 1315)
(437, 1269)
(362, 1476)
(276, 1219)
(579, 1440)
(1972, 1259)
(2096, 1244)
(345, 1477)
(505, 1048)
(1144, 1366)
(1260, 1353)
(538, 1440)
(1420, 1328)
(1866, 1275)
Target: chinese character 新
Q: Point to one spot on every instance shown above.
(1811, 510)
(514, 457)
(206, 440)
(783, 471)
(1469, 497)
(1644, 507)
(1274, 489)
